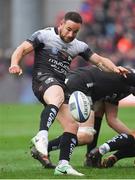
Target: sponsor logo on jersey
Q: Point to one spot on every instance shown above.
(89, 85)
(54, 50)
(49, 80)
(59, 66)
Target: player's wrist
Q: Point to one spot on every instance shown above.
(14, 65)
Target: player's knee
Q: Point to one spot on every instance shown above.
(56, 99)
(87, 130)
(59, 99)
(84, 138)
(85, 135)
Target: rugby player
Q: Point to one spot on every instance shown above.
(98, 84)
(54, 48)
(110, 110)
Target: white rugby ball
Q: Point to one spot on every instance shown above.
(79, 106)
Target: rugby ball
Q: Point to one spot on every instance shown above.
(79, 106)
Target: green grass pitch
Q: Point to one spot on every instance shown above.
(19, 123)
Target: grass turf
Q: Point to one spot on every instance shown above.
(19, 123)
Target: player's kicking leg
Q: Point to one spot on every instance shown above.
(52, 96)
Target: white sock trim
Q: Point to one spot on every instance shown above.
(43, 133)
(103, 149)
(63, 162)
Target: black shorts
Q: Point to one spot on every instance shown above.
(41, 84)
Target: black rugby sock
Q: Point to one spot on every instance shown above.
(54, 144)
(121, 141)
(125, 153)
(67, 144)
(97, 126)
(48, 116)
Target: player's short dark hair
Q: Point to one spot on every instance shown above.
(73, 16)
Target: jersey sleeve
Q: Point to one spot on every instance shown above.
(86, 53)
(36, 39)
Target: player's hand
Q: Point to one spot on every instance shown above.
(123, 71)
(15, 69)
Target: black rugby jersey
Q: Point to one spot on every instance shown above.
(98, 84)
(116, 97)
(53, 55)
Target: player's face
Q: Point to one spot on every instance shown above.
(68, 30)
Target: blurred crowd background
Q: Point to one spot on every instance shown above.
(109, 29)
